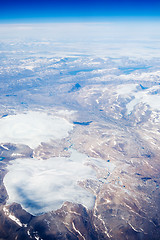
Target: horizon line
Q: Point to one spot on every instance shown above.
(77, 19)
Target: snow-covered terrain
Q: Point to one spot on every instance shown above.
(80, 130)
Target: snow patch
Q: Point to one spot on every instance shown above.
(12, 217)
(126, 89)
(143, 97)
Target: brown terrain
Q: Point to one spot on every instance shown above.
(127, 202)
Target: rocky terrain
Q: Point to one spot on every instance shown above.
(79, 137)
(126, 190)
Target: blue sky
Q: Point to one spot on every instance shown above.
(32, 10)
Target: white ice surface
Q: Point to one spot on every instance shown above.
(33, 128)
(43, 185)
(143, 97)
(126, 89)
